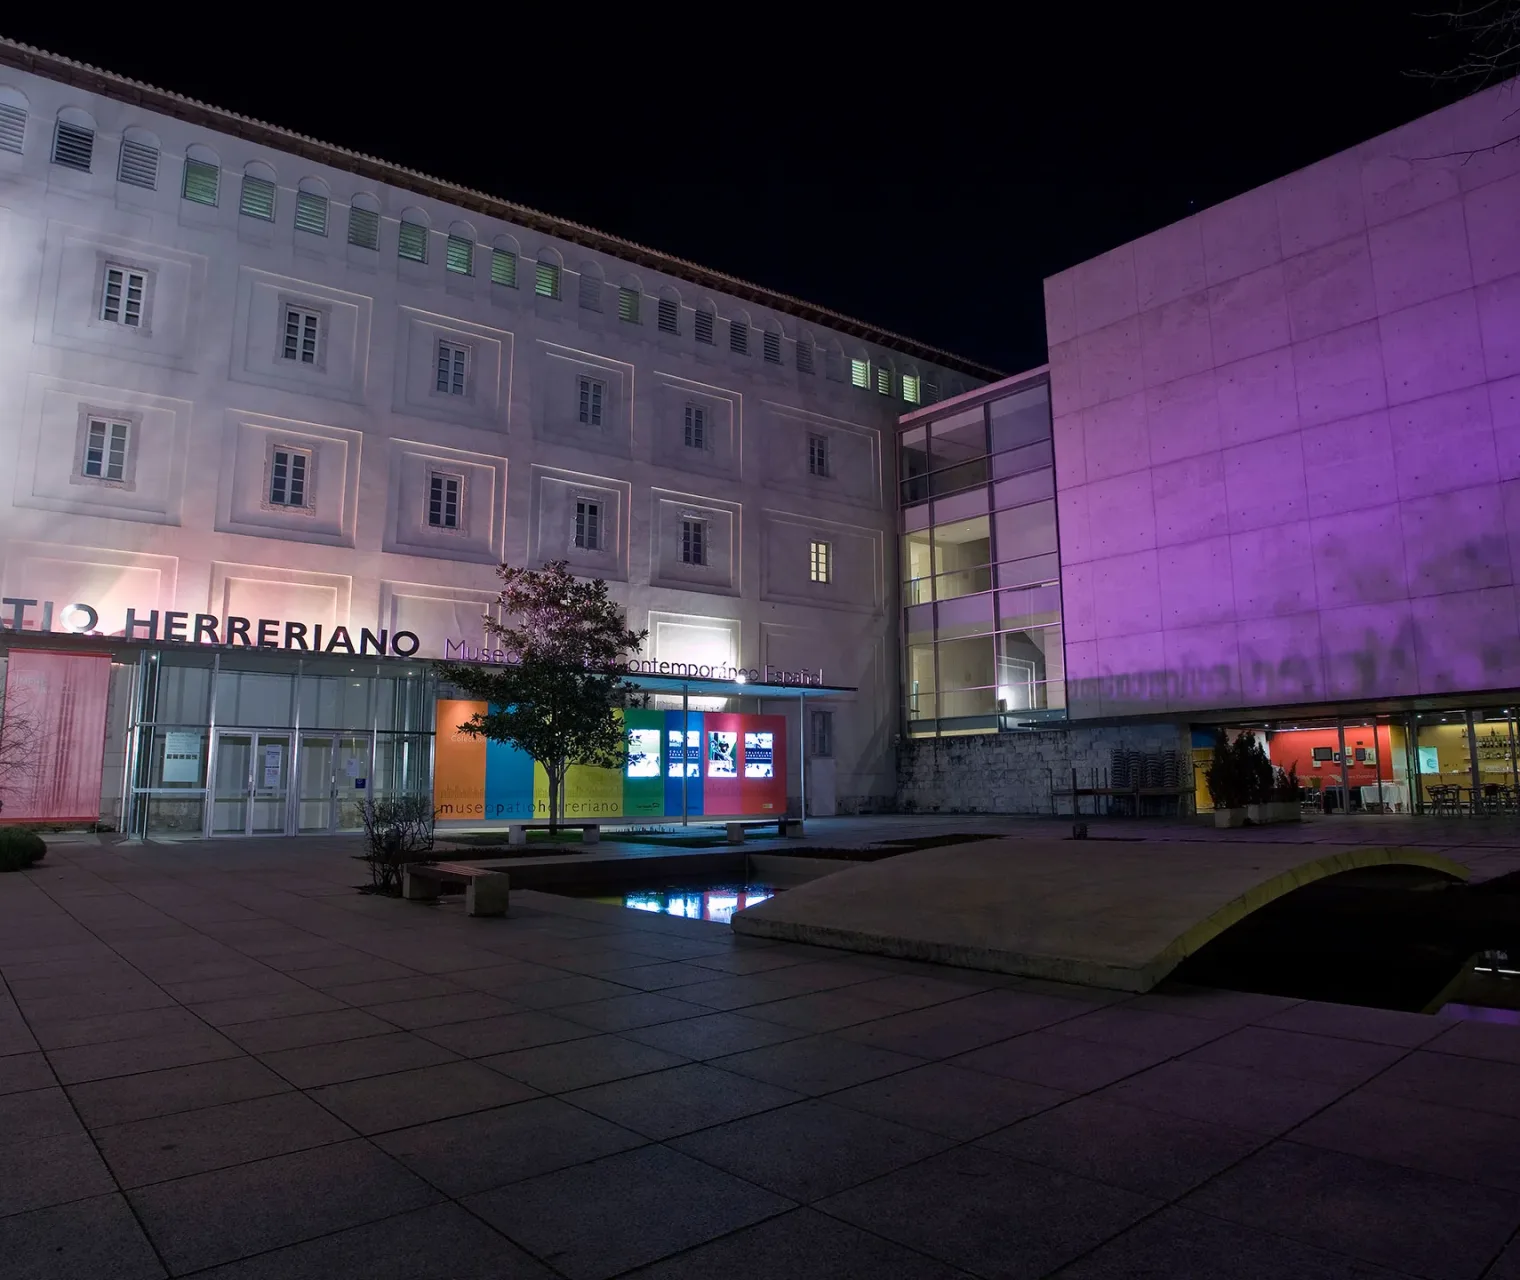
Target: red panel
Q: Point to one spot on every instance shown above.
(58, 701)
(722, 750)
(1294, 748)
(763, 745)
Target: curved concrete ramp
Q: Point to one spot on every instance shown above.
(1097, 912)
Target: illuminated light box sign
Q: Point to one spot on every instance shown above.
(726, 764)
(457, 650)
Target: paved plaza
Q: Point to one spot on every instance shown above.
(221, 1061)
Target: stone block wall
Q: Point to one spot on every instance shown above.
(1012, 772)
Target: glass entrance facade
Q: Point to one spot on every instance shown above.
(982, 647)
(233, 742)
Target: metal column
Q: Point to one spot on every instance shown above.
(685, 755)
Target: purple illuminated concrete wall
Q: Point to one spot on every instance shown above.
(1287, 434)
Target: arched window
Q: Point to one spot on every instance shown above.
(704, 321)
(770, 340)
(504, 255)
(412, 239)
(459, 253)
(912, 390)
(860, 369)
(591, 287)
(13, 106)
(364, 222)
(668, 309)
(546, 274)
(630, 298)
(258, 195)
(137, 165)
(74, 139)
(311, 206)
(885, 377)
(805, 350)
(738, 333)
(203, 176)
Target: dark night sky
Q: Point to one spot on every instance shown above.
(922, 176)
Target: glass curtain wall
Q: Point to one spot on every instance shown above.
(981, 575)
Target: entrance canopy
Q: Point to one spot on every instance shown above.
(697, 687)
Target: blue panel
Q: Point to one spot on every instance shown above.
(673, 763)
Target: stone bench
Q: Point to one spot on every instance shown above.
(591, 832)
(791, 827)
(485, 889)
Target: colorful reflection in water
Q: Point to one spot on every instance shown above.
(697, 904)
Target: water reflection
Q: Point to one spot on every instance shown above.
(717, 904)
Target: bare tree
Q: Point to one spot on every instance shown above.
(1489, 31)
(20, 749)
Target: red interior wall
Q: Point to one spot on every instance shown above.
(1292, 748)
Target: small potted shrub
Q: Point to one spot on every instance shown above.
(20, 848)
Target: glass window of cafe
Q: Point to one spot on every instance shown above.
(981, 570)
(228, 742)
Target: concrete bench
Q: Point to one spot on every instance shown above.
(485, 889)
(591, 832)
(791, 827)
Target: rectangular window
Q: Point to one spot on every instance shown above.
(883, 382)
(504, 268)
(628, 305)
(696, 427)
(588, 526)
(910, 388)
(804, 356)
(412, 242)
(592, 392)
(860, 373)
(546, 279)
(702, 326)
(738, 337)
(121, 300)
(105, 450)
(694, 542)
(73, 146)
(772, 346)
(311, 213)
(820, 733)
(302, 329)
(12, 127)
(364, 228)
(818, 455)
(459, 256)
(138, 164)
(453, 359)
(820, 562)
(443, 501)
(668, 316)
(257, 200)
(288, 472)
(591, 292)
(201, 183)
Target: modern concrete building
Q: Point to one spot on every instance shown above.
(1286, 443)
(258, 393)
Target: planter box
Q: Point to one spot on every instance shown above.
(1229, 817)
(1276, 811)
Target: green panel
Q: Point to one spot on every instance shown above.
(644, 796)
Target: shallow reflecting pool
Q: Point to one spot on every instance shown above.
(717, 902)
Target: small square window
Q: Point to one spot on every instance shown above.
(588, 526)
(804, 356)
(592, 395)
(459, 256)
(364, 228)
(546, 279)
(628, 305)
(696, 427)
(702, 326)
(818, 455)
(289, 476)
(860, 374)
(411, 242)
(738, 337)
(772, 345)
(820, 562)
(668, 316)
(693, 541)
(105, 450)
(73, 146)
(257, 200)
(311, 213)
(504, 268)
(443, 500)
(122, 296)
(302, 332)
(138, 164)
(820, 733)
(202, 182)
(453, 365)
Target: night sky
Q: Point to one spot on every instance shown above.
(922, 176)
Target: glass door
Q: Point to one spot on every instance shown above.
(351, 782)
(271, 784)
(317, 787)
(334, 782)
(233, 784)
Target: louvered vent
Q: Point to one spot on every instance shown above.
(772, 344)
(138, 165)
(73, 146)
(364, 228)
(257, 200)
(591, 293)
(702, 326)
(504, 268)
(12, 127)
(311, 213)
(201, 182)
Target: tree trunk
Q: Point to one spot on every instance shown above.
(555, 784)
